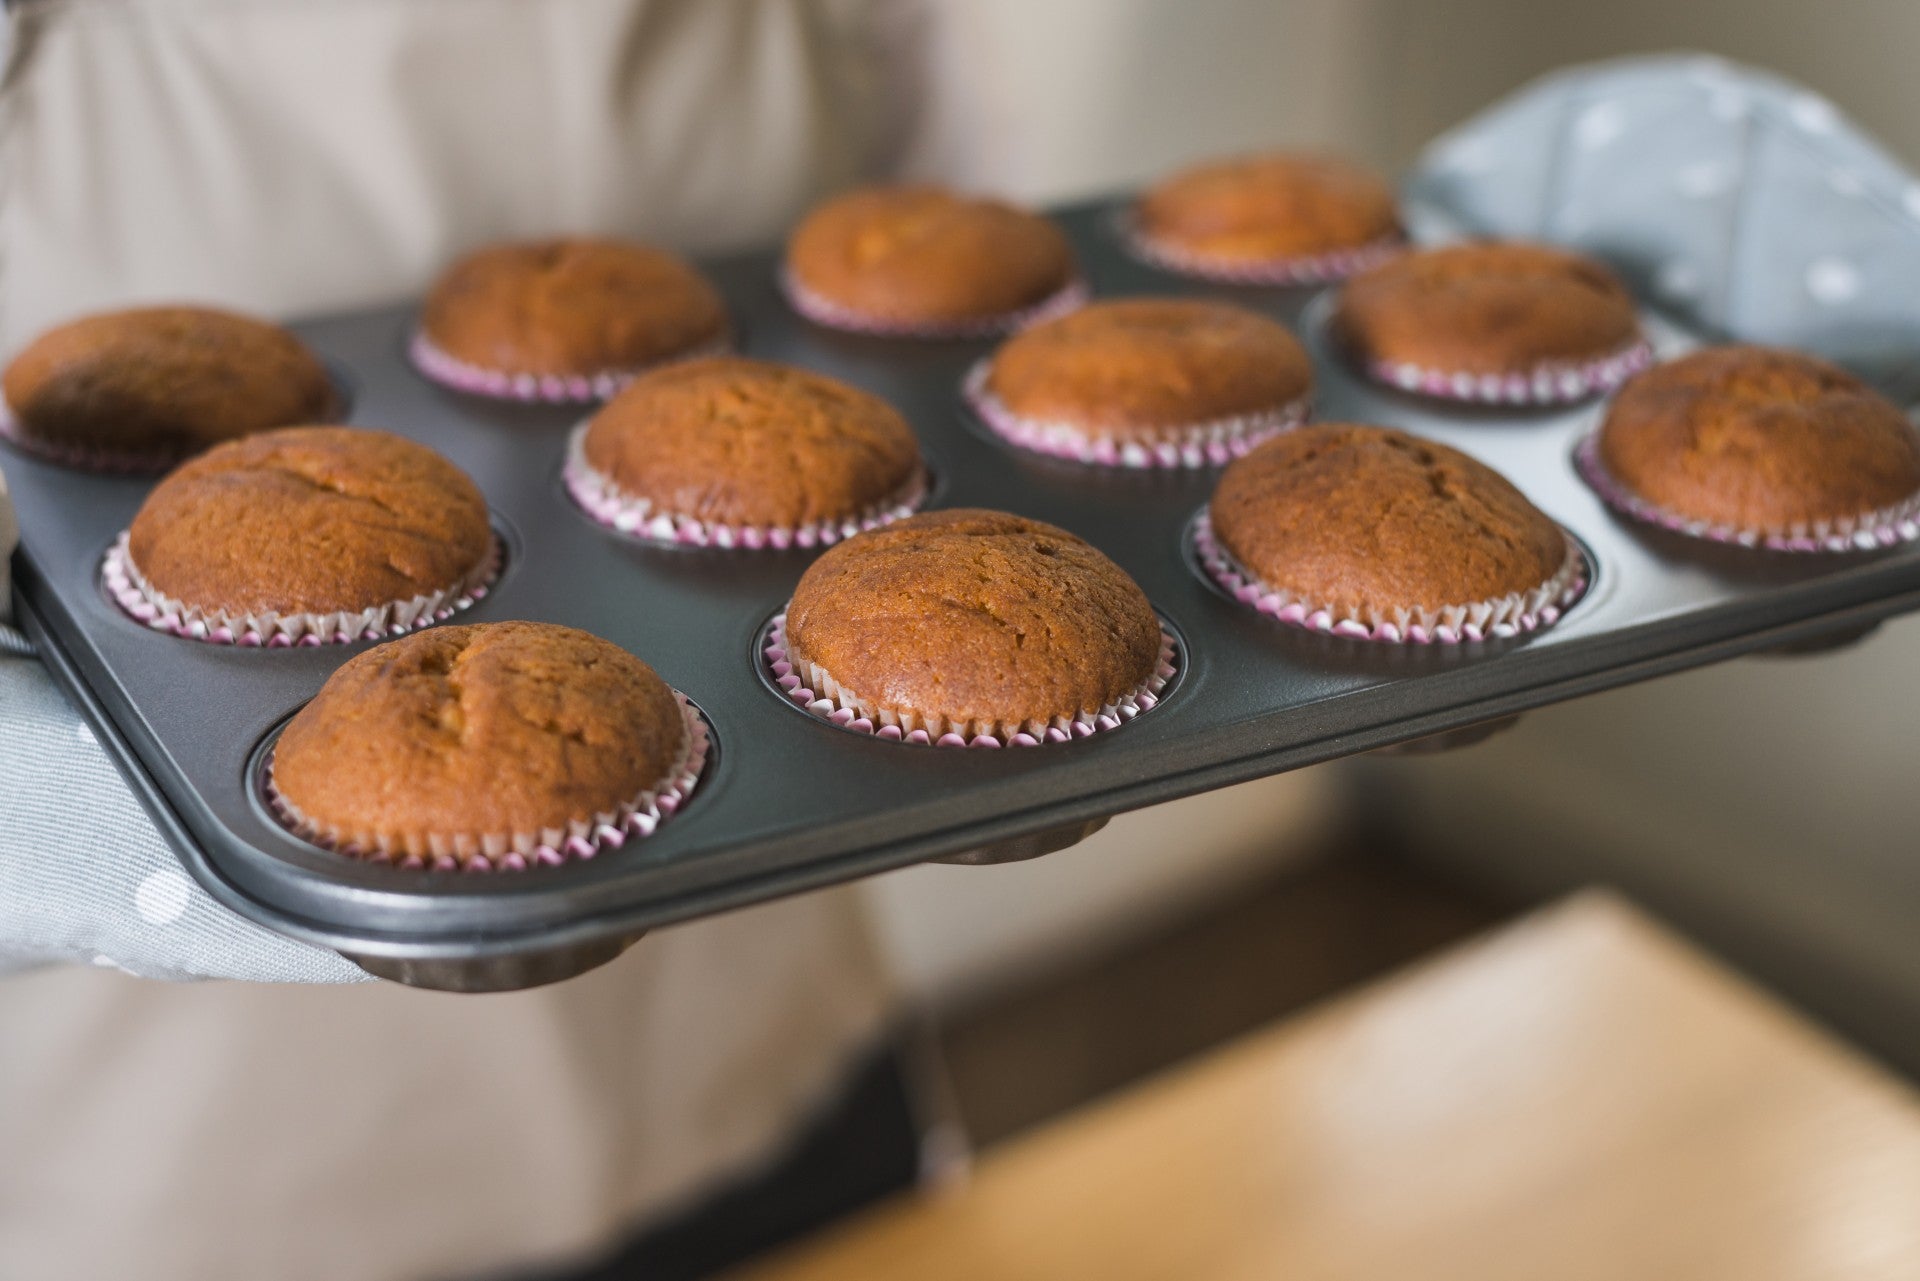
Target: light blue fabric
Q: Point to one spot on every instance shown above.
(1742, 203)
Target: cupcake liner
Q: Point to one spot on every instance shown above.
(95, 458)
(1554, 383)
(1302, 269)
(514, 852)
(147, 604)
(552, 389)
(820, 695)
(824, 311)
(601, 498)
(1204, 444)
(1507, 616)
(1887, 527)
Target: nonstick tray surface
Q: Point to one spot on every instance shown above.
(789, 803)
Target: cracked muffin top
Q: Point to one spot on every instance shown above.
(750, 442)
(1757, 438)
(1132, 368)
(571, 308)
(310, 520)
(1486, 307)
(413, 738)
(1367, 520)
(974, 615)
(160, 383)
(926, 255)
(1269, 207)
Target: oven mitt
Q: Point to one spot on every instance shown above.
(84, 876)
(1738, 201)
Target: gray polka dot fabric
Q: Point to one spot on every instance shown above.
(1744, 204)
(84, 877)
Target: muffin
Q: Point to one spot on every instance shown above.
(305, 535)
(1763, 447)
(1372, 533)
(1145, 382)
(1492, 321)
(491, 746)
(924, 261)
(970, 627)
(564, 320)
(1275, 218)
(139, 390)
(731, 452)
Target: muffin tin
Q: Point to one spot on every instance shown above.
(789, 803)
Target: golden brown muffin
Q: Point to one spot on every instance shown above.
(741, 442)
(1268, 208)
(310, 520)
(923, 258)
(462, 740)
(1487, 318)
(1375, 525)
(152, 385)
(570, 309)
(1146, 372)
(1759, 439)
(973, 619)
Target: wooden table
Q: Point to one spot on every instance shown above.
(1578, 1096)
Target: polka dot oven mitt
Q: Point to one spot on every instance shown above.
(1741, 203)
(84, 877)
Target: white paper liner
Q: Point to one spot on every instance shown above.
(602, 498)
(1299, 269)
(1869, 531)
(147, 604)
(1553, 383)
(553, 389)
(1205, 444)
(820, 695)
(513, 852)
(1507, 616)
(822, 310)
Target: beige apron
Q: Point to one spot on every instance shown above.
(296, 156)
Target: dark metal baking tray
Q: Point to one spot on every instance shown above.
(789, 802)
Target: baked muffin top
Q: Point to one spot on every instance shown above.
(486, 729)
(751, 442)
(163, 382)
(1486, 307)
(1367, 520)
(926, 255)
(1759, 438)
(975, 616)
(571, 307)
(1131, 367)
(1269, 207)
(310, 520)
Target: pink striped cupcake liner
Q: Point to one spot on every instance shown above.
(1304, 269)
(824, 311)
(1505, 617)
(552, 389)
(145, 603)
(1206, 444)
(1558, 383)
(580, 840)
(817, 693)
(600, 497)
(1869, 531)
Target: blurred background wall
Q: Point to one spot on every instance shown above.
(1767, 803)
